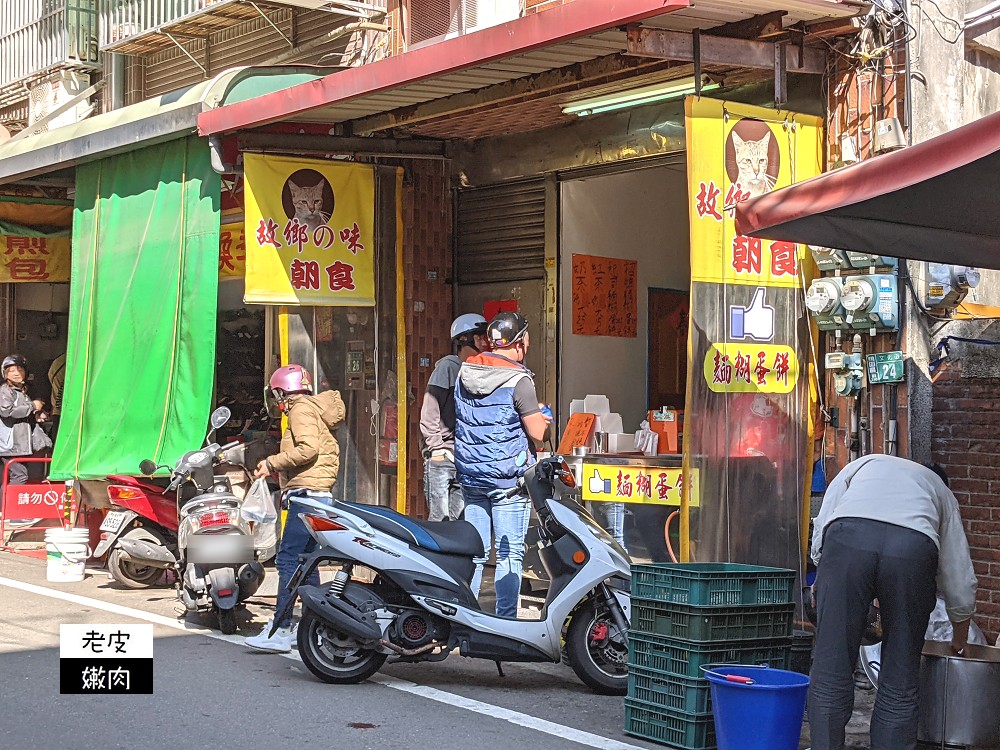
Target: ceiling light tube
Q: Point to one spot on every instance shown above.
(636, 97)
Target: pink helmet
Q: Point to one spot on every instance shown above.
(291, 379)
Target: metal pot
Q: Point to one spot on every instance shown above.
(960, 695)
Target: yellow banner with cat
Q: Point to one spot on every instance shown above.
(310, 231)
(744, 151)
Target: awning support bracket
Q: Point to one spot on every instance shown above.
(272, 24)
(780, 76)
(696, 54)
(183, 49)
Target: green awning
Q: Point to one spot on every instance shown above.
(142, 320)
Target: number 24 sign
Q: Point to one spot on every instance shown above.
(885, 367)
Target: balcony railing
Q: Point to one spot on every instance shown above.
(37, 36)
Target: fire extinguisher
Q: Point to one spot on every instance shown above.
(388, 444)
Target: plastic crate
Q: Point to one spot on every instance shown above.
(686, 694)
(712, 584)
(711, 624)
(669, 727)
(684, 659)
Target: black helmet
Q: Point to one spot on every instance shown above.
(13, 360)
(506, 329)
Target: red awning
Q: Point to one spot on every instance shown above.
(936, 201)
(508, 41)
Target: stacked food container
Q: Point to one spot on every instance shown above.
(687, 615)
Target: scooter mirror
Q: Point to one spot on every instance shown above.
(220, 416)
(148, 468)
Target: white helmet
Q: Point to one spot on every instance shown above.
(468, 323)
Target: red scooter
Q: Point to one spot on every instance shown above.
(141, 511)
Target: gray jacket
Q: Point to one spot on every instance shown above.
(17, 420)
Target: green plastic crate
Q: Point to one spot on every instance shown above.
(712, 584)
(669, 727)
(686, 694)
(685, 659)
(712, 624)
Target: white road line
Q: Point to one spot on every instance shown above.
(451, 699)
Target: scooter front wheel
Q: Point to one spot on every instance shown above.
(332, 656)
(597, 652)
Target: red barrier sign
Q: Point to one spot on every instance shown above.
(42, 500)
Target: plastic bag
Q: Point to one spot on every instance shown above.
(259, 509)
(939, 627)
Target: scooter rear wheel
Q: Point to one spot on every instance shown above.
(227, 621)
(335, 657)
(598, 659)
(128, 573)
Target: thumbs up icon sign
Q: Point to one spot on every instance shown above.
(755, 321)
(599, 486)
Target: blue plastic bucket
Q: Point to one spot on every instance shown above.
(763, 710)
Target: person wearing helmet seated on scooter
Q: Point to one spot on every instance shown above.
(307, 464)
(497, 415)
(19, 417)
(437, 420)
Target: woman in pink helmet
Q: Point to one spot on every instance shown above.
(307, 465)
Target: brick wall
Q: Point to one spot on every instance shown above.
(966, 441)
(427, 228)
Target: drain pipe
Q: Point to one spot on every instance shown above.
(218, 164)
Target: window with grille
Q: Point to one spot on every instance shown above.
(434, 19)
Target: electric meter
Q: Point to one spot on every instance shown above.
(829, 259)
(867, 260)
(823, 301)
(945, 286)
(871, 301)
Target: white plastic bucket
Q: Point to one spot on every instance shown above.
(66, 553)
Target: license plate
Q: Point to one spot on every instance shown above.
(296, 577)
(113, 521)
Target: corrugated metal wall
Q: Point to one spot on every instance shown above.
(250, 43)
(501, 232)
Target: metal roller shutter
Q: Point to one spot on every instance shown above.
(501, 233)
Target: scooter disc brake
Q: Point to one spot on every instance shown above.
(336, 644)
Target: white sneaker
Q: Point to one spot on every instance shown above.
(279, 643)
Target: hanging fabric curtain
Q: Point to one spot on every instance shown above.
(143, 301)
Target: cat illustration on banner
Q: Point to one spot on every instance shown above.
(308, 197)
(753, 158)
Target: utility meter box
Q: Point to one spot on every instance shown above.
(823, 301)
(866, 260)
(847, 372)
(945, 286)
(829, 259)
(871, 301)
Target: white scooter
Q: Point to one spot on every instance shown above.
(417, 604)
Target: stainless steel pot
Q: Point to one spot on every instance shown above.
(960, 695)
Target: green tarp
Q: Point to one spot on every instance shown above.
(143, 299)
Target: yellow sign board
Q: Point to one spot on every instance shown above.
(742, 154)
(45, 259)
(232, 252)
(751, 368)
(310, 231)
(611, 483)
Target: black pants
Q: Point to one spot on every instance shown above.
(863, 560)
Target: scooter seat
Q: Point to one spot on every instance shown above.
(446, 537)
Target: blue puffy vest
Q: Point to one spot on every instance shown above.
(492, 450)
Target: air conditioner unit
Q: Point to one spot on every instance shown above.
(47, 96)
(434, 20)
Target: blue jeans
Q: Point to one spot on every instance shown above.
(611, 516)
(442, 490)
(295, 541)
(508, 519)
